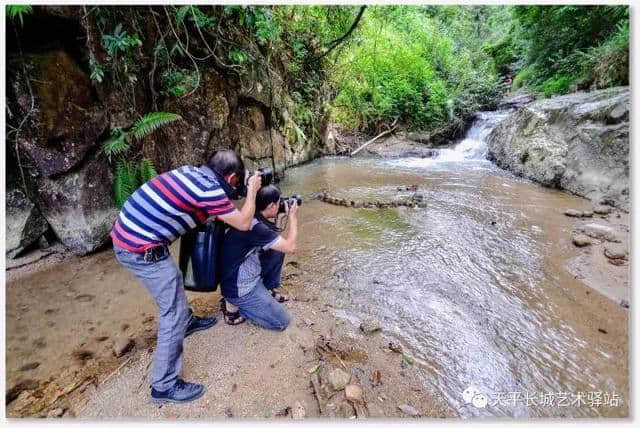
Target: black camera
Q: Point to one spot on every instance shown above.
(266, 176)
(286, 203)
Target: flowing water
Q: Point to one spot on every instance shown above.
(473, 286)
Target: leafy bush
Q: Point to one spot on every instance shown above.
(524, 76)
(129, 173)
(412, 64)
(558, 84)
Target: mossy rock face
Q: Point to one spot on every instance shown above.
(67, 121)
(577, 142)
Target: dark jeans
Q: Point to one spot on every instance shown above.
(271, 262)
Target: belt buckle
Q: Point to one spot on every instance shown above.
(148, 255)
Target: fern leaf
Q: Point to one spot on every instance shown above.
(115, 146)
(152, 121)
(147, 170)
(124, 182)
(14, 11)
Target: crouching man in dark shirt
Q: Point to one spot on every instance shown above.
(251, 262)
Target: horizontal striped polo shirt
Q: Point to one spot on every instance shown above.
(167, 206)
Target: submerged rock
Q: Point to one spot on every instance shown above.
(602, 209)
(573, 213)
(615, 251)
(581, 240)
(600, 231)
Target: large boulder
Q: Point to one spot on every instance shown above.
(66, 123)
(25, 223)
(578, 142)
(79, 205)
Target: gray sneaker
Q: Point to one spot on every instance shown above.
(180, 392)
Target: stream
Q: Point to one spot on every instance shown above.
(474, 286)
(471, 285)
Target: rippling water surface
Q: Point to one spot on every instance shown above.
(471, 285)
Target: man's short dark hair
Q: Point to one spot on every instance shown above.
(266, 195)
(226, 162)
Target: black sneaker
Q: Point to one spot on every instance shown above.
(180, 392)
(199, 324)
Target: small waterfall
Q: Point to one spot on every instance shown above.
(474, 144)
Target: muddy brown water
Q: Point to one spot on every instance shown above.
(473, 286)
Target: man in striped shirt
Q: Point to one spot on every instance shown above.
(158, 213)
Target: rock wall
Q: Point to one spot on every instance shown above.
(577, 142)
(68, 180)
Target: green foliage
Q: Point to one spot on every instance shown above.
(18, 11)
(129, 173)
(525, 75)
(196, 16)
(125, 181)
(119, 41)
(115, 146)
(147, 170)
(412, 63)
(257, 19)
(558, 84)
(150, 122)
(97, 73)
(237, 56)
(178, 82)
(556, 49)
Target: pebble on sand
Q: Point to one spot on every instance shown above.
(409, 410)
(338, 379)
(353, 393)
(370, 326)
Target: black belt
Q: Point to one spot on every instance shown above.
(153, 254)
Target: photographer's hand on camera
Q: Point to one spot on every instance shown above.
(253, 185)
(241, 220)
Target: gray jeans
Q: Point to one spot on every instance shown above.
(163, 280)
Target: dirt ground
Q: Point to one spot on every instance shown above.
(247, 371)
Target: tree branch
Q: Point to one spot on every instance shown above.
(335, 43)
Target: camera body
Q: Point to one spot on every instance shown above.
(266, 177)
(286, 202)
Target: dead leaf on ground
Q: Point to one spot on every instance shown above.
(376, 378)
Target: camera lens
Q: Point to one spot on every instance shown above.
(266, 174)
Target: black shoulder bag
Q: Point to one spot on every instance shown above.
(200, 256)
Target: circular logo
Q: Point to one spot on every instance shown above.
(472, 395)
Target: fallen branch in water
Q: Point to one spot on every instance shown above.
(382, 134)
